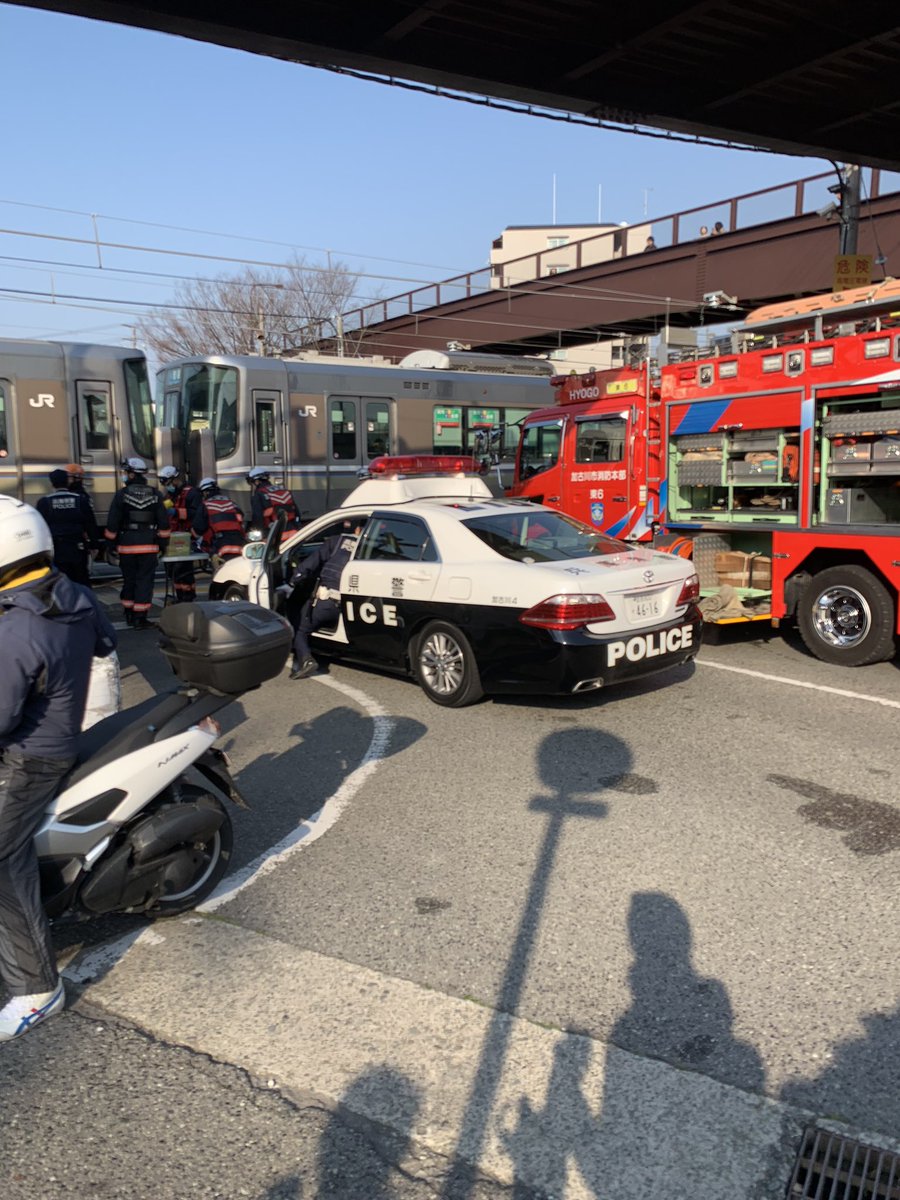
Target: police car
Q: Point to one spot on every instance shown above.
(470, 594)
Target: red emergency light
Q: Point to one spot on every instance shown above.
(420, 464)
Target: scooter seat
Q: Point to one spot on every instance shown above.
(123, 733)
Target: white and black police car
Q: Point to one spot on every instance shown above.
(470, 594)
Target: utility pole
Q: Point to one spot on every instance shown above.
(849, 214)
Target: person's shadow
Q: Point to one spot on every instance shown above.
(635, 1135)
(355, 1155)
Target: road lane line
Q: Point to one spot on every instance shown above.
(801, 683)
(314, 826)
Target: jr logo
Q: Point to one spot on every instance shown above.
(308, 410)
(42, 400)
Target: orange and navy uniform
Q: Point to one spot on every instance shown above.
(220, 524)
(268, 501)
(185, 502)
(138, 526)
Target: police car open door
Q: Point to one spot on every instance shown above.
(388, 585)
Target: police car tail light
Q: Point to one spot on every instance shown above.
(690, 592)
(568, 612)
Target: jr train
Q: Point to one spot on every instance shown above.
(62, 402)
(315, 422)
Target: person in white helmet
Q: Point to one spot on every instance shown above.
(182, 503)
(267, 501)
(138, 527)
(50, 630)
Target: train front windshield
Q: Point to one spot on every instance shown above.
(200, 396)
(140, 405)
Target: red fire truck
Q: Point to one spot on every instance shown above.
(775, 466)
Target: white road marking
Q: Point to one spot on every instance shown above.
(801, 683)
(321, 821)
(98, 961)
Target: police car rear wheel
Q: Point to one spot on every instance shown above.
(446, 667)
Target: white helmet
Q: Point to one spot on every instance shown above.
(205, 484)
(167, 473)
(135, 464)
(258, 473)
(24, 535)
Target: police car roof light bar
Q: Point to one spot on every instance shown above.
(421, 464)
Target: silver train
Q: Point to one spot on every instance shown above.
(316, 421)
(63, 402)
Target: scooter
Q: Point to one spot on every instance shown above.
(140, 824)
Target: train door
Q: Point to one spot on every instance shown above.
(360, 428)
(268, 449)
(96, 434)
(10, 467)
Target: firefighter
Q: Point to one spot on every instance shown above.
(267, 501)
(183, 503)
(73, 527)
(138, 528)
(219, 523)
(324, 606)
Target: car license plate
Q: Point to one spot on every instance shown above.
(645, 607)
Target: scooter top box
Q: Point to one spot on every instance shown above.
(225, 647)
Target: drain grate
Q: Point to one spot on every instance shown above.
(830, 1167)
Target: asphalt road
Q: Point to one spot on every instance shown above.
(700, 869)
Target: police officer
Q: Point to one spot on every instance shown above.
(73, 527)
(183, 503)
(138, 527)
(218, 522)
(324, 606)
(267, 501)
(50, 629)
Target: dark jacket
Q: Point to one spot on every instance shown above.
(49, 632)
(266, 504)
(328, 561)
(220, 524)
(138, 520)
(71, 520)
(186, 503)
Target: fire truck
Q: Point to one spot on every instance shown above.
(773, 464)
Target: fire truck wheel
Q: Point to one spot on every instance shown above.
(445, 666)
(847, 617)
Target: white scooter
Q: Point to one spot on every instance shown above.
(141, 824)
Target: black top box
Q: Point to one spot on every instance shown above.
(228, 648)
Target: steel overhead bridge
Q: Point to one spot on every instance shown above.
(613, 286)
(813, 77)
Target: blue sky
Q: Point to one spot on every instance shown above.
(143, 127)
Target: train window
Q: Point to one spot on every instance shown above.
(140, 405)
(93, 413)
(343, 430)
(265, 427)
(378, 428)
(447, 430)
(479, 420)
(600, 440)
(209, 401)
(4, 428)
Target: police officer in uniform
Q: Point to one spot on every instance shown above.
(218, 522)
(73, 527)
(324, 606)
(138, 527)
(267, 501)
(183, 503)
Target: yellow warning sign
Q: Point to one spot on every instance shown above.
(852, 271)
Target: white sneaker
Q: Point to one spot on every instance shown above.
(22, 1013)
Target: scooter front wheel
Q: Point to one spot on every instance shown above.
(202, 866)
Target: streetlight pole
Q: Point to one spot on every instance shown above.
(849, 216)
